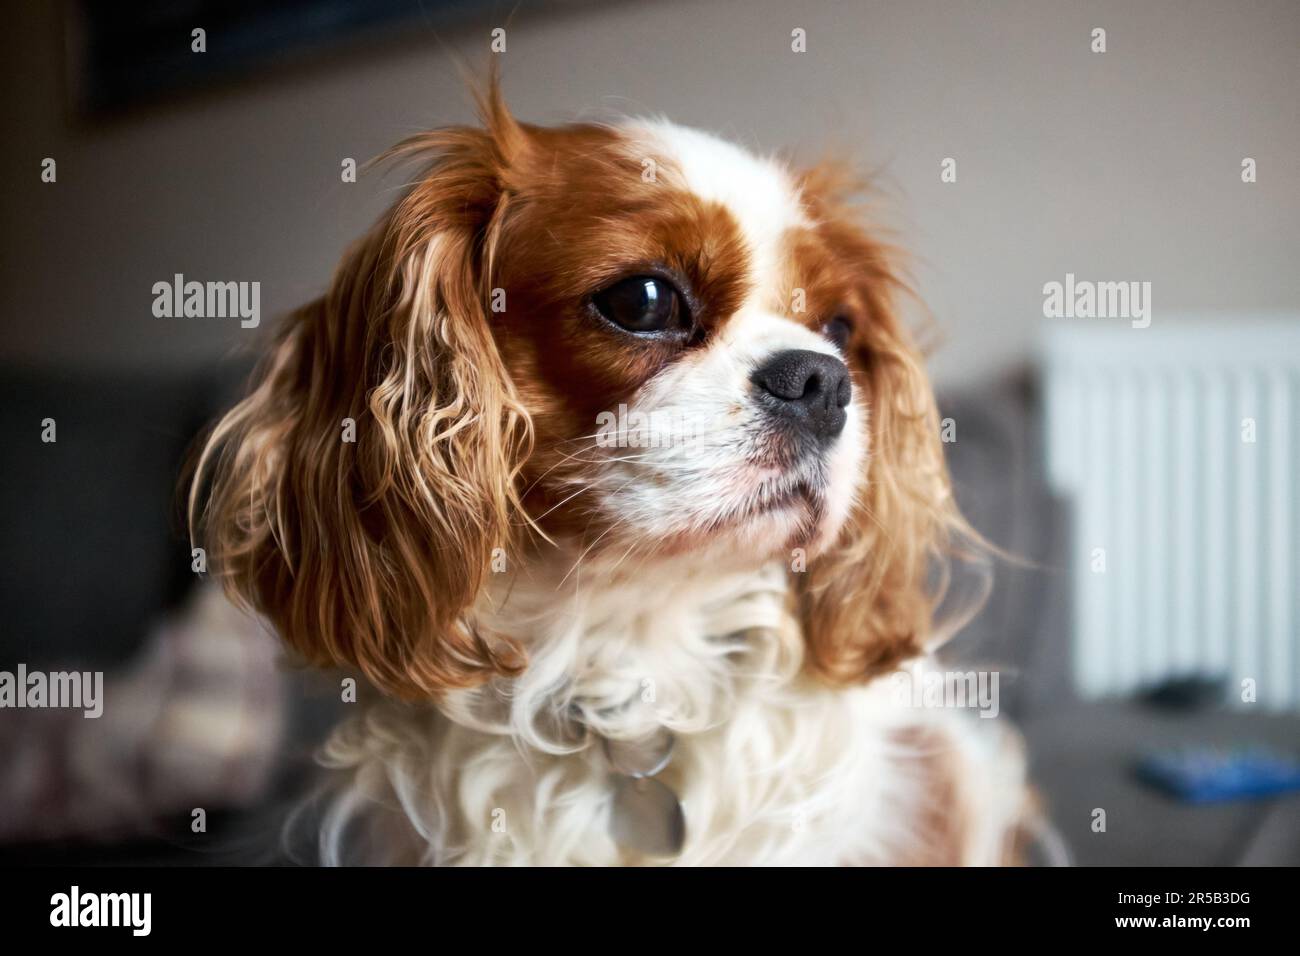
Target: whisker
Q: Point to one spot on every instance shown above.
(585, 487)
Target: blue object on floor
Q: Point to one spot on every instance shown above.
(1209, 774)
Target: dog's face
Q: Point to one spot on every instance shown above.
(634, 338)
(677, 323)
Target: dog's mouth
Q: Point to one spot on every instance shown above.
(793, 511)
(775, 495)
(784, 495)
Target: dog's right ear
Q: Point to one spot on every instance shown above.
(358, 495)
(883, 593)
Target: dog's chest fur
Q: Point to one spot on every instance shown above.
(770, 766)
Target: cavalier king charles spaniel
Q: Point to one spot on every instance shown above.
(608, 462)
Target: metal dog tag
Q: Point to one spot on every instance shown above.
(647, 816)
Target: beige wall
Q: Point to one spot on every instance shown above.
(1117, 166)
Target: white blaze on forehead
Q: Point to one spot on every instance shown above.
(759, 193)
(701, 459)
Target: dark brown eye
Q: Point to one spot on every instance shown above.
(838, 330)
(642, 304)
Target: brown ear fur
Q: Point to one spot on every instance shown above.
(367, 554)
(868, 602)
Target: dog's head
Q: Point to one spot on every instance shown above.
(631, 337)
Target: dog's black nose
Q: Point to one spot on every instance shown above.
(808, 389)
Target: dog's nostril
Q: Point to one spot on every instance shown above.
(809, 389)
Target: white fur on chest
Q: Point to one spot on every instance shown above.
(771, 767)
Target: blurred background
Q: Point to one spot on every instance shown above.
(1145, 476)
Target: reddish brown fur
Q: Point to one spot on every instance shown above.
(865, 603)
(368, 554)
(578, 217)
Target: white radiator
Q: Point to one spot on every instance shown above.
(1186, 531)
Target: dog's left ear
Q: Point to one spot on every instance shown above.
(359, 495)
(868, 602)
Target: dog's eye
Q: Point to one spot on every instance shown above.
(838, 331)
(642, 304)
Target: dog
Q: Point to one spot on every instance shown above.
(608, 462)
